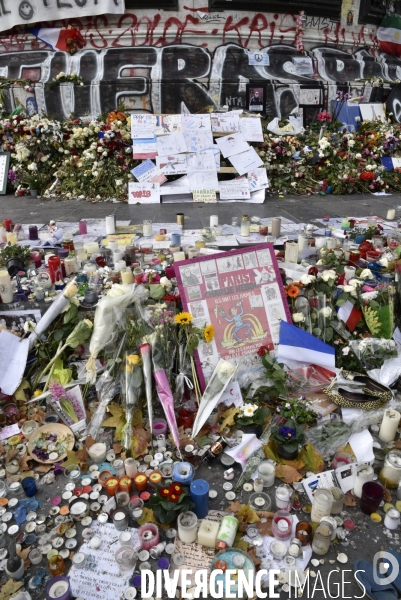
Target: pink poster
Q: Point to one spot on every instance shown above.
(241, 294)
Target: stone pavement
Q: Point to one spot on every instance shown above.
(26, 210)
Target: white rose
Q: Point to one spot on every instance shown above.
(329, 274)
(349, 289)
(326, 312)
(366, 274)
(29, 326)
(307, 279)
(298, 318)
(166, 283)
(355, 283)
(358, 155)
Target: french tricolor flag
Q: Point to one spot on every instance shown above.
(58, 39)
(298, 345)
(349, 314)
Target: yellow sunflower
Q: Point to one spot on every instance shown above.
(208, 333)
(184, 318)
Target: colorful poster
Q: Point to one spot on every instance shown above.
(241, 294)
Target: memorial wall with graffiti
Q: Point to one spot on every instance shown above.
(185, 61)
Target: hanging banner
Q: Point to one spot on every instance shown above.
(24, 12)
(241, 294)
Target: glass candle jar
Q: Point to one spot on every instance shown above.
(118, 466)
(372, 495)
(112, 486)
(29, 486)
(364, 474)
(130, 466)
(187, 527)
(245, 225)
(267, 472)
(321, 505)
(338, 500)
(390, 475)
(120, 520)
(322, 538)
(147, 228)
(141, 482)
(392, 519)
(389, 425)
(148, 536)
(284, 497)
(122, 498)
(14, 486)
(282, 525)
(303, 532)
(56, 565)
(33, 232)
(126, 558)
(125, 483)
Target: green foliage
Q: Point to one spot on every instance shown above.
(289, 435)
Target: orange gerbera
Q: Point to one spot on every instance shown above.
(292, 291)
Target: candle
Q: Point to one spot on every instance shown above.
(120, 520)
(58, 587)
(284, 495)
(82, 227)
(110, 225)
(183, 473)
(389, 426)
(148, 536)
(35, 556)
(320, 242)
(187, 527)
(207, 533)
(390, 474)
(392, 519)
(199, 492)
(97, 452)
(282, 525)
(126, 275)
(29, 486)
(70, 265)
(177, 256)
(331, 243)
(278, 550)
(79, 560)
(245, 225)
(147, 228)
(125, 484)
(91, 248)
(227, 532)
(345, 224)
(12, 238)
(200, 244)
(193, 252)
(349, 273)
(258, 485)
(141, 482)
(214, 220)
(365, 474)
(180, 218)
(89, 268)
(291, 252)
(155, 478)
(130, 467)
(267, 472)
(303, 532)
(6, 291)
(390, 214)
(175, 239)
(276, 227)
(33, 232)
(112, 486)
(302, 241)
(125, 538)
(321, 505)
(7, 224)
(159, 427)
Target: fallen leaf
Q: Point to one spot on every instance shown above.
(10, 455)
(349, 499)
(117, 415)
(387, 495)
(44, 468)
(312, 460)
(23, 462)
(117, 447)
(203, 441)
(89, 441)
(240, 543)
(397, 445)
(10, 589)
(82, 454)
(137, 418)
(38, 415)
(19, 394)
(247, 514)
(271, 451)
(72, 459)
(24, 555)
(234, 506)
(140, 441)
(266, 527)
(229, 417)
(61, 529)
(147, 517)
(287, 474)
(1, 449)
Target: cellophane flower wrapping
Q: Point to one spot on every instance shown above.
(146, 351)
(107, 387)
(109, 318)
(131, 388)
(184, 373)
(373, 352)
(378, 310)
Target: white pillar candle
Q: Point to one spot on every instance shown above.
(6, 290)
(117, 255)
(112, 246)
(283, 497)
(78, 560)
(177, 256)
(390, 214)
(389, 426)
(291, 252)
(302, 241)
(364, 475)
(12, 238)
(207, 533)
(258, 485)
(97, 452)
(349, 273)
(331, 243)
(227, 532)
(320, 242)
(110, 225)
(127, 276)
(70, 265)
(321, 505)
(58, 589)
(187, 527)
(147, 229)
(214, 220)
(267, 472)
(91, 248)
(276, 227)
(119, 265)
(392, 518)
(245, 226)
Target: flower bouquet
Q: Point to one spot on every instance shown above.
(131, 386)
(169, 502)
(372, 352)
(251, 418)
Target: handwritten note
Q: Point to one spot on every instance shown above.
(103, 580)
(9, 431)
(13, 356)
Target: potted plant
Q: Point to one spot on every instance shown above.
(169, 502)
(251, 418)
(14, 256)
(289, 437)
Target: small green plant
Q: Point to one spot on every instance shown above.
(251, 414)
(275, 373)
(299, 410)
(14, 251)
(169, 502)
(289, 436)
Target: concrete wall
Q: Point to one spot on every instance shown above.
(169, 62)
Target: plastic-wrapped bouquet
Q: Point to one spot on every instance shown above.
(66, 403)
(131, 386)
(372, 352)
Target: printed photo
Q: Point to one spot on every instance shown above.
(256, 99)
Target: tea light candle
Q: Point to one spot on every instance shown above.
(177, 256)
(159, 427)
(183, 473)
(390, 214)
(199, 492)
(207, 533)
(258, 485)
(278, 550)
(127, 276)
(78, 560)
(97, 452)
(141, 482)
(125, 484)
(200, 244)
(187, 527)
(193, 252)
(389, 425)
(58, 587)
(149, 536)
(130, 467)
